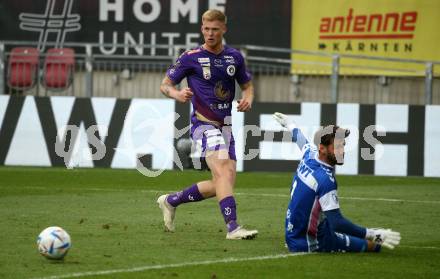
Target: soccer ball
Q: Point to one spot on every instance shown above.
(53, 243)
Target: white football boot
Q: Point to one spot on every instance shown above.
(241, 233)
(168, 212)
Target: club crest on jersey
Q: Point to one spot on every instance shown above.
(230, 70)
(206, 71)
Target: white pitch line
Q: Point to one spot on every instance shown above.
(263, 195)
(345, 198)
(420, 247)
(246, 194)
(164, 266)
(388, 200)
(185, 264)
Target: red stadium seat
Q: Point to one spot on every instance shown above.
(23, 68)
(58, 68)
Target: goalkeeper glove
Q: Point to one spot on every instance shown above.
(284, 121)
(384, 237)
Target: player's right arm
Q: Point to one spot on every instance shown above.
(168, 88)
(297, 136)
(175, 74)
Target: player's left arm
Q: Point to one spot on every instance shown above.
(329, 202)
(245, 103)
(342, 225)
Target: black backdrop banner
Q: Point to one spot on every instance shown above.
(256, 22)
(31, 128)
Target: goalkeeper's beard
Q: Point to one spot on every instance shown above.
(331, 158)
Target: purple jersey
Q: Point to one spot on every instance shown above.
(211, 78)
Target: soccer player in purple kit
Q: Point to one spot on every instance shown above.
(314, 222)
(211, 71)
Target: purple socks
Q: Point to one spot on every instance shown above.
(190, 194)
(228, 209)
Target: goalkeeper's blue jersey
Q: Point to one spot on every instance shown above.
(313, 191)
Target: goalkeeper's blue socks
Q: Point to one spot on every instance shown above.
(190, 194)
(229, 211)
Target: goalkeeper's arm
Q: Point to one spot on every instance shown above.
(382, 237)
(297, 136)
(343, 225)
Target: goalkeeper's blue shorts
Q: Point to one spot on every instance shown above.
(331, 241)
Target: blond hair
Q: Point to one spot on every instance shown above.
(211, 15)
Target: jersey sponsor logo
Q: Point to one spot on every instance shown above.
(219, 106)
(230, 70)
(218, 63)
(203, 59)
(228, 57)
(304, 170)
(304, 173)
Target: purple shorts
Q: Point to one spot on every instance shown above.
(211, 138)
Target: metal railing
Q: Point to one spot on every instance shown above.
(95, 74)
(333, 66)
(128, 73)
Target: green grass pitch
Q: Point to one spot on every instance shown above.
(117, 231)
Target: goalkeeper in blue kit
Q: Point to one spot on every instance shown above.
(314, 222)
